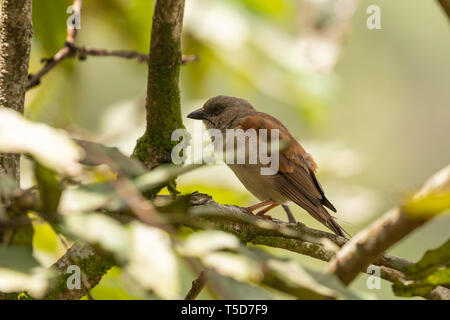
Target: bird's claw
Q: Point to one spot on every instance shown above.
(264, 216)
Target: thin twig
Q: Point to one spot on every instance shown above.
(197, 285)
(71, 50)
(83, 52)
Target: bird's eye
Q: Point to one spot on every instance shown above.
(215, 110)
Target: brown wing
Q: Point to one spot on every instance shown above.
(297, 165)
(296, 178)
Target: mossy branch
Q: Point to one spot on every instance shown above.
(297, 238)
(163, 95)
(92, 267)
(204, 212)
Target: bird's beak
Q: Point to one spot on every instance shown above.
(198, 114)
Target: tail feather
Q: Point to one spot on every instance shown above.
(322, 215)
(328, 204)
(336, 228)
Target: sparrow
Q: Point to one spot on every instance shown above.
(295, 181)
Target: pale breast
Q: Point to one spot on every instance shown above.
(261, 186)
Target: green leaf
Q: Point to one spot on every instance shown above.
(51, 147)
(18, 258)
(99, 230)
(430, 262)
(224, 254)
(433, 198)
(201, 243)
(161, 175)
(152, 262)
(89, 197)
(96, 154)
(236, 266)
(429, 205)
(412, 290)
(305, 283)
(145, 252)
(230, 289)
(431, 270)
(20, 271)
(423, 286)
(50, 189)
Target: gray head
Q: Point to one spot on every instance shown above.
(222, 112)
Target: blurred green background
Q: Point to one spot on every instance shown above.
(372, 106)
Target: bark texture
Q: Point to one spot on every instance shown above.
(92, 266)
(163, 94)
(16, 31)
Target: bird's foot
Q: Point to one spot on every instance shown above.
(258, 206)
(262, 215)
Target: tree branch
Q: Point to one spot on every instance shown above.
(163, 94)
(206, 213)
(197, 285)
(127, 54)
(92, 266)
(368, 244)
(73, 51)
(296, 238)
(16, 31)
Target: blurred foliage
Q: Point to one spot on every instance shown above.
(20, 271)
(371, 106)
(51, 31)
(433, 269)
(149, 256)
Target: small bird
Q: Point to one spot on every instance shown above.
(295, 179)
